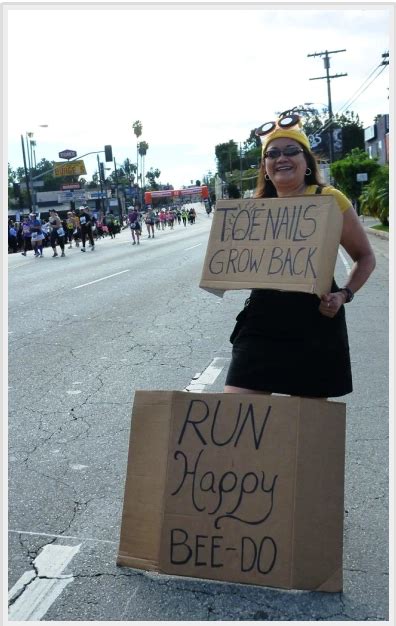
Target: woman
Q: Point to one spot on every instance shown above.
(37, 235)
(296, 343)
(87, 222)
(150, 220)
(134, 224)
(57, 233)
(69, 228)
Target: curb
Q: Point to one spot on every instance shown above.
(378, 233)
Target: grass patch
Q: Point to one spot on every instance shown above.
(381, 227)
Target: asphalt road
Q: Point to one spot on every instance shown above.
(85, 332)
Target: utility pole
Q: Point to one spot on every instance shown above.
(240, 168)
(326, 61)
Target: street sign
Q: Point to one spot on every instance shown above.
(362, 177)
(70, 186)
(70, 195)
(67, 154)
(76, 168)
(65, 195)
(36, 183)
(93, 195)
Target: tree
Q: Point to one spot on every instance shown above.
(129, 170)
(348, 132)
(137, 129)
(151, 176)
(11, 176)
(44, 172)
(227, 156)
(345, 172)
(143, 147)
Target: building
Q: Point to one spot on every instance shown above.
(376, 139)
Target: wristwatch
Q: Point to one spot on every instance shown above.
(348, 294)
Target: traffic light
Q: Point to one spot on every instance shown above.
(108, 154)
(101, 171)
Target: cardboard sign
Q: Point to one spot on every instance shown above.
(273, 243)
(234, 487)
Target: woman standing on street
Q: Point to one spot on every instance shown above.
(57, 233)
(291, 342)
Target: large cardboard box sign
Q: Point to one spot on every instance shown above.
(273, 243)
(234, 487)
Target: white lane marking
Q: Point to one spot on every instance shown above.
(37, 589)
(28, 532)
(198, 244)
(208, 376)
(73, 392)
(345, 261)
(99, 279)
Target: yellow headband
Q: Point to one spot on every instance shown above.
(295, 133)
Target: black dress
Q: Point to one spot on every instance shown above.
(283, 344)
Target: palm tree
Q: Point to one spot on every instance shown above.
(137, 129)
(143, 147)
(130, 169)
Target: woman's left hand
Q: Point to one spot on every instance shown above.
(331, 303)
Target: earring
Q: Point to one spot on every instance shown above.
(266, 177)
(308, 171)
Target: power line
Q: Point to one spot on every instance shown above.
(357, 94)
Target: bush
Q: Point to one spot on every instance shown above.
(374, 199)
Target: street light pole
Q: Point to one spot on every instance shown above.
(117, 194)
(101, 185)
(27, 175)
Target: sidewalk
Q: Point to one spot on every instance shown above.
(369, 222)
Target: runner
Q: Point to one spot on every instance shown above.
(86, 222)
(57, 233)
(191, 215)
(150, 220)
(37, 235)
(109, 222)
(134, 224)
(162, 217)
(77, 229)
(171, 218)
(27, 235)
(69, 228)
(184, 215)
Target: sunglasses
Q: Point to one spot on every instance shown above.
(287, 121)
(275, 153)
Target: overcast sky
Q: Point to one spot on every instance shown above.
(194, 77)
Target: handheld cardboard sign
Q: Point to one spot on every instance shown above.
(234, 487)
(273, 243)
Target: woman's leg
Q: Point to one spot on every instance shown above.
(54, 237)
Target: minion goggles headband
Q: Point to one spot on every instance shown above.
(284, 122)
(288, 125)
